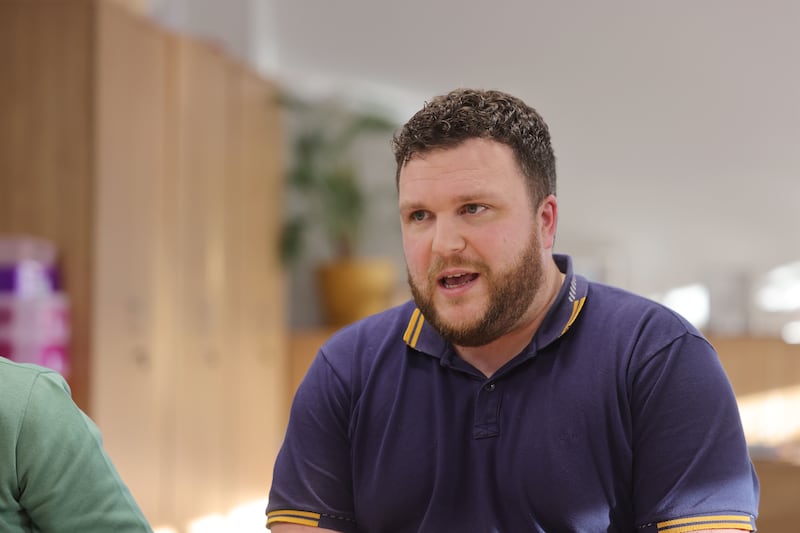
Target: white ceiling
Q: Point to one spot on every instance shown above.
(676, 124)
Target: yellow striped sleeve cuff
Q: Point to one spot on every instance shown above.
(702, 523)
(290, 516)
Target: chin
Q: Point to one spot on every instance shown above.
(461, 318)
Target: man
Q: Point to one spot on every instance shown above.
(55, 475)
(512, 394)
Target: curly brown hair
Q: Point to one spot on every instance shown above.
(452, 118)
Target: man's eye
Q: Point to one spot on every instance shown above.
(418, 216)
(473, 209)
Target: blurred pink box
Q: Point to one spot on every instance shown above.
(34, 313)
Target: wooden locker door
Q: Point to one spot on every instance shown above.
(255, 371)
(200, 278)
(130, 371)
(46, 146)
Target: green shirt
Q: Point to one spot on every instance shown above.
(55, 475)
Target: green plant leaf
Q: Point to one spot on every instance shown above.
(292, 239)
(323, 175)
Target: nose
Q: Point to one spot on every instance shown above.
(448, 238)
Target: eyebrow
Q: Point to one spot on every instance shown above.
(471, 198)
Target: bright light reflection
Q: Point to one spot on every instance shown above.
(245, 518)
(691, 302)
(790, 333)
(208, 524)
(781, 291)
(248, 517)
(771, 418)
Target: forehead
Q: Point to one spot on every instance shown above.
(472, 167)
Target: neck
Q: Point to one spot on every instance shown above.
(490, 357)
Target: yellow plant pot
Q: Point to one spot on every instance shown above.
(356, 288)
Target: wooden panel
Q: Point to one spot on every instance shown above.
(758, 364)
(780, 487)
(131, 373)
(303, 347)
(141, 7)
(46, 146)
(255, 367)
(200, 278)
(153, 164)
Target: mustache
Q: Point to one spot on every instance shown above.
(439, 265)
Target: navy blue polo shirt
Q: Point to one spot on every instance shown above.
(617, 416)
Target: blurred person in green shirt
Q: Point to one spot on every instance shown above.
(55, 475)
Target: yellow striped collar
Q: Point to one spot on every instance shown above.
(562, 315)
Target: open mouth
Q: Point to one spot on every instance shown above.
(457, 280)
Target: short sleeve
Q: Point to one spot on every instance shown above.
(66, 480)
(312, 480)
(691, 464)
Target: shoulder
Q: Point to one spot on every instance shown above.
(17, 380)
(623, 302)
(366, 340)
(634, 331)
(36, 398)
(611, 309)
(356, 352)
(378, 326)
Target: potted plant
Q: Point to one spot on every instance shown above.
(327, 194)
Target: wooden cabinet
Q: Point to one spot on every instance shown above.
(152, 161)
(131, 373)
(255, 311)
(199, 86)
(47, 144)
(303, 347)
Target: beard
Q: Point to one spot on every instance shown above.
(510, 292)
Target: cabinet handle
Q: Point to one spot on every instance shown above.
(211, 357)
(141, 357)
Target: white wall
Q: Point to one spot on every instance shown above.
(676, 124)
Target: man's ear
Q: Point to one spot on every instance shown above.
(548, 220)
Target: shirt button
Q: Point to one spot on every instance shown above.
(490, 387)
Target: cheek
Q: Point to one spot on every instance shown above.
(496, 248)
(417, 254)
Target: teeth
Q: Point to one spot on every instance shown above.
(454, 280)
